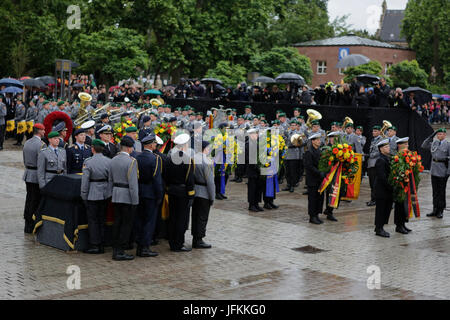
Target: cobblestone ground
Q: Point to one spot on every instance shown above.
(253, 255)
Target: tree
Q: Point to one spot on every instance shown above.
(112, 54)
(373, 67)
(427, 31)
(229, 74)
(279, 60)
(408, 74)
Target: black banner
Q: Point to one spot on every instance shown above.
(409, 123)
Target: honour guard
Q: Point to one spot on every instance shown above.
(62, 130)
(254, 186)
(392, 136)
(400, 211)
(383, 190)
(104, 118)
(179, 179)
(31, 151)
(137, 146)
(440, 169)
(314, 178)
(51, 160)
(360, 140)
(19, 116)
(77, 153)
(204, 196)
(150, 196)
(31, 115)
(105, 134)
(374, 154)
(329, 210)
(44, 112)
(123, 177)
(248, 115)
(292, 161)
(89, 128)
(95, 190)
(146, 128)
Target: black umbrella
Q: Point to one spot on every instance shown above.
(77, 85)
(47, 80)
(422, 96)
(416, 89)
(214, 80)
(289, 77)
(264, 79)
(33, 83)
(368, 78)
(352, 60)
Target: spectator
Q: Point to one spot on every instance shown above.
(373, 98)
(276, 96)
(198, 89)
(382, 91)
(344, 96)
(241, 92)
(257, 95)
(306, 96)
(361, 99)
(398, 99)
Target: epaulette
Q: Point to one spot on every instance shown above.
(87, 159)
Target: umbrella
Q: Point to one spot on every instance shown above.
(264, 79)
(352, 60)
(46, 79)
(416, 89)
(77, 85)
(12, 90)
(211, 80)
(33, 83)
(421, 95)
(446, 97)
(368, 78)
(24, 78)
(437, 96)
(111, 89)
(11, 82)
(152, 91)
(289, 77)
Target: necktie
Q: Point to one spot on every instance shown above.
(56, 152)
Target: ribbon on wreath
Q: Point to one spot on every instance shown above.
(413, 202)
(272, 181)
(222, 178)
(164, 146)
(333, 178)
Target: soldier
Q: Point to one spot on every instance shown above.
(248, 115)
(392, 136)
(350, 136)
(77, 153)
(254, 186)
(150, 196)
(3, 113)
(95, 190)
(315, 128)
(374, 154)
(123, 177)
(204, 196)
(19, 116)
(44, 112)
(62, 130)
(284, 125)
(105, 134)
(31, 115)
(51, 160)
(104, 118)
(400, 211)
(179, 179)
(383, 190)
(31, 151)
(146, 128)
(329, 210)
(360, 140)
(314, 178)
(292, 161)
(440, 169)
(132, 133)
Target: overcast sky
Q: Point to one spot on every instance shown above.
(364, 14)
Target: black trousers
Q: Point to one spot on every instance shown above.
(31, 202)
(439, 184)
(161, 225)
(2, 134)
(254, 191)
(372, 172)
(315, 201)
(301, 170)
(123, 224)
(200, 214)
(96, 216)
(382, 211)
(178, 220)
(239, 172)
(20, 137)
(400, 213)
(292, 172)
(145, 222)
(217, 182)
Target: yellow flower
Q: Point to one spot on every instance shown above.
(340, 153)
(268, 145)
(331, 158)
(129, 121)
(345, 145)
(352, 160)
(346, 155)
(340, 146)
(119, 130)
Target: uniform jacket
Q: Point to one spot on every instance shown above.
(179, 174)
(76, 157)
(144, 132)
(3, 113)
(31, 151)
(41, 115)
(393, 145)
(110, 150)
(383, 190)
(439, 151)
(124, 171)
(150, 175)
(20, 112)
(374, 153)
(293, 153)
(96, 167)
(314, 177)
(360, 141)
(32, 114)
(204, 177)
(49, 161)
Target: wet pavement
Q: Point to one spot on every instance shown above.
(275, 254)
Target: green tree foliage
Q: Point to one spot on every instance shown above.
(112, 54)
(427, 31)
(373, 67)
(408, 74)
(229, 74)
(282, 59)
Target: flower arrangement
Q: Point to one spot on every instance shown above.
(341, 153)
(403, 165)
(165, 131)
(230, 149)
(275, 146)
(120, 127)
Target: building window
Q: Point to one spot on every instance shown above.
(321, 67)
(341, 71)
(388, 65)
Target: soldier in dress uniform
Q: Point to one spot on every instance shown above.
(62, 130)
(123, 177)
(105, 134)
(89, 127)
(248, 115)
(374, 154)
(440, 169)
(19, 116)
(383, 190)
(95, 192)
(400, 211)
(150, 196)
(77, 153)
(51, 160)
(392, 137)
(360, 141)
(146, 128)
(329, 210)
(254, 186)
(31, 151)
(204, 196)
(44, 112)
(292, 161)
(31, 115)
(104, 118)
(180, 186)
(137, 146)
(314, 178)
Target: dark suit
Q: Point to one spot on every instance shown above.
(76, 157)
(254, 186)
(150, 194)
(383, 191)
(110, 150)
(314, 178)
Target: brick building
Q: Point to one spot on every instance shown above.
(325, 54)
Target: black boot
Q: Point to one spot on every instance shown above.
(439, 214)
(145, 252)
(120, 255)
(92, 249)
(407, 229)
(267, 206)
(371, 203)
(219, 196)
(200, 244)
(401, 230)
(432, 214)
(291, 189)
(253, 208)
(315, 220)
(380, 232)
(238, 180)
(273, 205)
(258, 208)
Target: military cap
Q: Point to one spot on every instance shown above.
(248, 107)
(376, 128)
(172, 119)
(223, 125)
(131, 129)
(393, 128)
(168, 106)
(334, 123)
(98, 142)
(154, 113)
(297, 109)
(159, 140)
(264, 121)
(77, 132)
(59, 127)
(149, 139)
(301, 117)
(179, 109)
(233, 109)
(314, 136)
(39, 126)
(187, 108)
(46, 102)
(53, 134)
(240, 116)
(441, 130)
(333, 134)
(181, 139)
(279, 111)
(402, 140)
(359, 127)
(145, 119)
(104, 116)
(276, 122)
(382, 143)
(60, 103)
(349, 125)
(88, 124)
(282, 114)
(199, 113)
(104, 129)
(315, 122)
(127, 142)
(293, 121)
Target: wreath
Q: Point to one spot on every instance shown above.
(58, 115)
